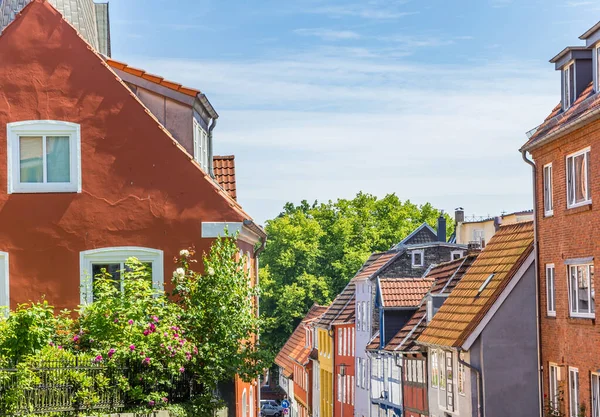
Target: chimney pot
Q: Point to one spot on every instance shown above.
(459, 215)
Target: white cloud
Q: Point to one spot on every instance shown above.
(328, 34)
(375, 10)
(329, 123)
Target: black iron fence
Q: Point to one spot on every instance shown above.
(68, 387)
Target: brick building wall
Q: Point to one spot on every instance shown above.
(567, 234)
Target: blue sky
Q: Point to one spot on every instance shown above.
(321, 99)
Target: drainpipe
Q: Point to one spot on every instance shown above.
(213, 124)
(480, 409)
(537, 283)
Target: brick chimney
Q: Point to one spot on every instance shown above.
(459, 215)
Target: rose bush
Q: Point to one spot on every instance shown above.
(205, 329)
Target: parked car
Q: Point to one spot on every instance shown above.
(271, 409)
(272, 402)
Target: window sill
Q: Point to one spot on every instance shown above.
(549, 214)
(550, 315)
(579, 208)
(582, 316)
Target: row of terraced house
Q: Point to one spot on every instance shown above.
(498, 320)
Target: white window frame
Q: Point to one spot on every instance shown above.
(118, 255)
(588, 200)
(595, 394)
(573, 392)
(553, 384)
(412, 257)
(548, 191)
(340, 341)
(43, 128)
(550, 290)
(566, 73)
(201, 145)
(435, 374)
(460, 254)
(4, 284)
(591, 297)
(596, 61)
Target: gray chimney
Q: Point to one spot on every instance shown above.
(497, 223)
(441, 228)
(459, 215)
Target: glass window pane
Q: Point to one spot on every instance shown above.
(583, 289)
(570, 182)
(30, 159)
(573, 283)
(58, 159)
(580, 179)
(112, 269)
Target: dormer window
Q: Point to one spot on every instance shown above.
(568, 86)
(200, 146)
(417, 258)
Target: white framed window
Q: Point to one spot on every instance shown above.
(339, 388)
(596, 60)
(340, 341)
(479, 236)
(461, 377)
(417, 257)
(353, 341)
(548, 203)
(113, 259)
(200, 146)
(44, 156)
(442, 369)
(456, 254)
(581, 290)
(595, 394)
(578, 190)
(4, 284)
(434, 369)
(550, 290)
(568, 86)
(553, 385)
(251, 402)
(573, 392)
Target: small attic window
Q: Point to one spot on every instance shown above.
(568, 86)
(485, 283)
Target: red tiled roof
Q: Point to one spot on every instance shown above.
(294, 347)
(403, 292)
(374, 343)
(480, 286)
(224, 169)
(587, 103)
(448, 274)
(301, 353)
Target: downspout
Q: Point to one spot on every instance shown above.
(211, 127)
(537, 283)
(480, 409)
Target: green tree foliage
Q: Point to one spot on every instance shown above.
(206, 328)
(314, 250)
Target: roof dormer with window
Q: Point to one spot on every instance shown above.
(592, 41)
(575, 64)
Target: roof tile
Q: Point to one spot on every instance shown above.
(467, 304)
(403, 292)
(294, 347)
(224, 170)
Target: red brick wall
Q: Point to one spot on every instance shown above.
(569, 233)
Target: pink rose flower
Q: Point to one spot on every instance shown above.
(132, 347)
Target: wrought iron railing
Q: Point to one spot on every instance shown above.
(71, 387)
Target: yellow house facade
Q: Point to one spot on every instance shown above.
(325, 372)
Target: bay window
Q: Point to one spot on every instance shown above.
(578, 190)
(44, 156)
(581, 290)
